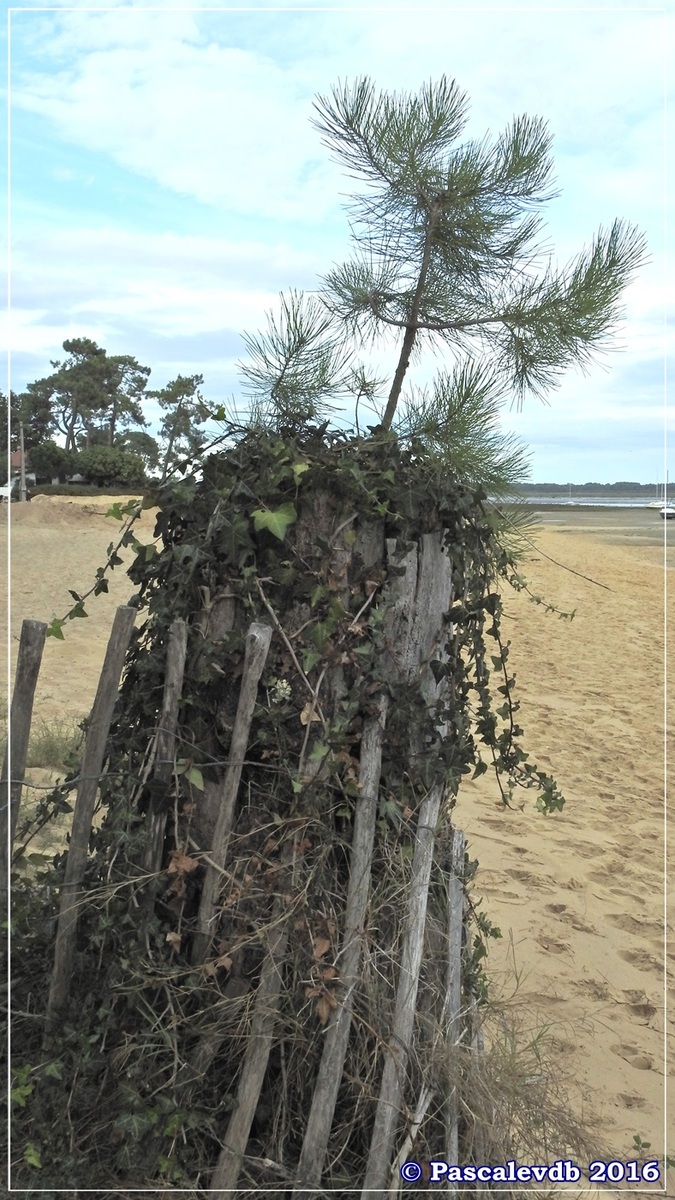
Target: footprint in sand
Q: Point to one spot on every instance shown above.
(630, 925)
(588, 850)
(533, 881)
(552, 945)
(621, 891)
(632, 1055)
(610, 871)
(640, 959)
(632, 1101)
(638, 1004)
(643, 1013)
(570, 918)
(594, 988)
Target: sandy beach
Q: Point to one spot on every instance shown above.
(580, 895)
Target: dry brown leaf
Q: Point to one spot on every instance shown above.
(181, 864)
(329, 973)
(324, 1007)
(174, 939)
(305, 714)
(311, 992)
(321, 945)
(225, 962)
(177, 887)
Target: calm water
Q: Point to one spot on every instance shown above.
(590, 501)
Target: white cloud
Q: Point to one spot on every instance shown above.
(169, 96)
(103, 283)
(219, 124)
(173, 309)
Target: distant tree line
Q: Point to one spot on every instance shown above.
(622, 487)
(93, 402)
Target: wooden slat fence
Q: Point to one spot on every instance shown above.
(389, 1148)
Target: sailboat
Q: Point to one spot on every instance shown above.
(668, 510)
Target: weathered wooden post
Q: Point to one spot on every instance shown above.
(452, 1009)
(321, 1114)
(31, 646)
(164, 749)
(258, 641)
(90, 771)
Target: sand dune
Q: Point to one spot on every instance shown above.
(580, 895)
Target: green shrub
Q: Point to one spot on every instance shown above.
(104, 465)
(50, 460)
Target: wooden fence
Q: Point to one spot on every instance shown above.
(382, 1172)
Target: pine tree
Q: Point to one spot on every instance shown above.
(448, 255)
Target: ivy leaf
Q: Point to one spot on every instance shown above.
(119, 510)
(19, 1095)
(439, 669)
(299, 469)
(32, 1155)
(195, 777)
(309, 659)
(55, 629)
(277, 520)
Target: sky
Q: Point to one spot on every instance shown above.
(166, 184)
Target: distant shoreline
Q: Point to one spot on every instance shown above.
(598, 505)
(625, 488)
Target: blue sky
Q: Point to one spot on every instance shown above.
(166, 183)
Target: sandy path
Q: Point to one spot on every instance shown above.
(580, 894)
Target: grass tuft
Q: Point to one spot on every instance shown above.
(54, 743)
